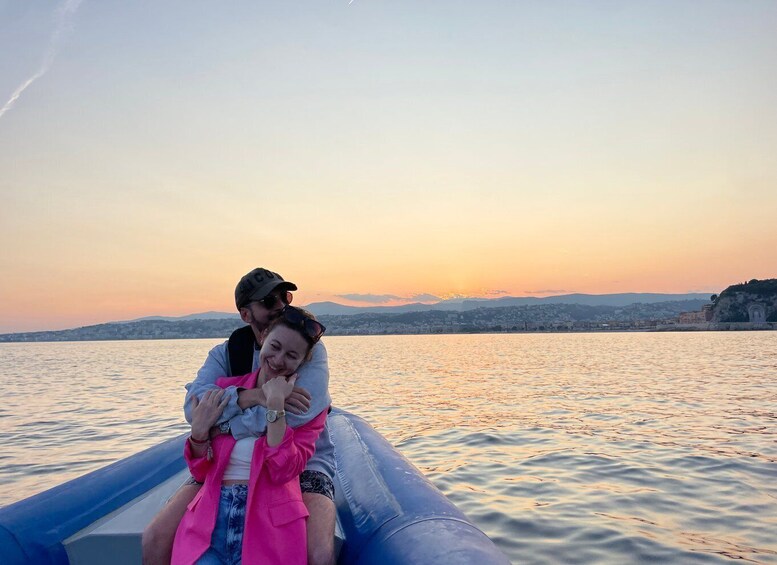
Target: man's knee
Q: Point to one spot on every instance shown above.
(158, 535)
(321, 529)
(321, 555)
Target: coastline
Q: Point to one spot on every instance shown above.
(719, 327)
(561, 328)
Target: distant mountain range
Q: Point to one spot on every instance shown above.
(463, 305)
(201, 316)
(449, 315)
(460, 305)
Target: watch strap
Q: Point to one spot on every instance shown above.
(273, 415)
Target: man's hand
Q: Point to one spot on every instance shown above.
(250, 397)
(298, 402)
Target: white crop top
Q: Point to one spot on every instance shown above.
(239, 467)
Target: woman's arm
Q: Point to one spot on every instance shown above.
(276, 391)
(199, 465)
(313, 377)
(288, 459)
(205, 412)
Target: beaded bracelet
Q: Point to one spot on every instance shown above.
(209, 453)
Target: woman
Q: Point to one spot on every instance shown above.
(250, 504)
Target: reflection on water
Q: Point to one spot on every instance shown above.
(590, 448)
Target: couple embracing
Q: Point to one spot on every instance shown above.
(259, 452)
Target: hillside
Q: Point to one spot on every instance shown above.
(737, 302)
(463, 305)
(536, 317)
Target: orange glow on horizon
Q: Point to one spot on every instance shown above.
(527, 164)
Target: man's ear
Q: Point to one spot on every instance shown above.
(246, 316)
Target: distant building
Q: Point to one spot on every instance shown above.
(698, 317)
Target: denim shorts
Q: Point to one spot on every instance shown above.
(226, 542)
(309, 481)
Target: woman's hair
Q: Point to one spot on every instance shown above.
(301, 321)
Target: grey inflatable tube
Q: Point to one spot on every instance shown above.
(390, 512)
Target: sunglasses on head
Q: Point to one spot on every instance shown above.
(271, 300)
(313, 328)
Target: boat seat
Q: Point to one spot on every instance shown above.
(116, 538)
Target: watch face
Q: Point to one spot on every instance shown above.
(272, 415)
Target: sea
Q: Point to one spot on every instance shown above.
(563, 448)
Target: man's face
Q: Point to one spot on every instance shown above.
(261, 312)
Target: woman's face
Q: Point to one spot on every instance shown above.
(283, 351)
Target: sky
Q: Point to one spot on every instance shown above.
(151, 153)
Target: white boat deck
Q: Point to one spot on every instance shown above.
(116, 538)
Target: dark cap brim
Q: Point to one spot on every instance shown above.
(270, 286)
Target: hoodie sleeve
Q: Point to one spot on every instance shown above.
(287, 460)
(215, 366)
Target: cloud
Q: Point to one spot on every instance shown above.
(371, 298)
(424, 298)
(62, 26)
(386, 298)
(550, 291)
(457, 296)
(495, 292)
(483, 294)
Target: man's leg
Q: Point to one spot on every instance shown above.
(159, 534)
(321, 528)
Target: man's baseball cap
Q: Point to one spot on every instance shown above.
(257, 284)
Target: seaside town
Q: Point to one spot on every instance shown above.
(747, 306)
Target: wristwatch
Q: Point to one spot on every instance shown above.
(272, 415)
(225, 428)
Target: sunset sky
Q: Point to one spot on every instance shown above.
(153, 152)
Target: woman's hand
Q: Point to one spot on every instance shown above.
(277, 390)
(205, 412)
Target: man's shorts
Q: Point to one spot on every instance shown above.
(318, 483)
(309, 481)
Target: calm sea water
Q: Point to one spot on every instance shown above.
(566, 448)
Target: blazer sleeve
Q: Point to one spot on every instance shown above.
(287, 460)
(198, 466)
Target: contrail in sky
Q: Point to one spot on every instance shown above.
(61, 27)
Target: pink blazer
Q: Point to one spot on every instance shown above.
(275, 529)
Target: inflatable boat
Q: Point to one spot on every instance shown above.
(388, 512)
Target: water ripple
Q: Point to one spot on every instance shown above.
(587, 448)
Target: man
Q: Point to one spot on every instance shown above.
(260, 296)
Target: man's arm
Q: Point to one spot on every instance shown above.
(215, 366)
(313, 376)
